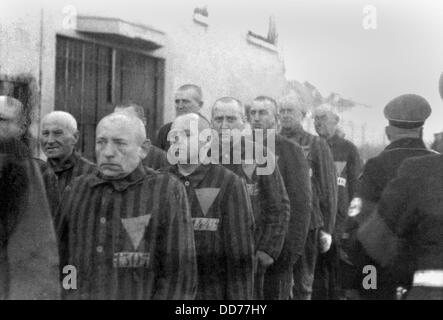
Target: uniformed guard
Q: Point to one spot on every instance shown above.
(406, 115)
(330, 274)
(407, 227)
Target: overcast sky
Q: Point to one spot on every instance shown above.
(324, 42)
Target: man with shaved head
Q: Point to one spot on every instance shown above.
(221, 212)
(188, 99)
(268, 194)
(127, 228)
(59, 135)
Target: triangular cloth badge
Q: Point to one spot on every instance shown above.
(339, 166)
(249, 169)
(135, 227)
(206, 197)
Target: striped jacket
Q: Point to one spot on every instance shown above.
(348, 166)
(223, 226)
(270, 204)
(324, 178)
(51, 185)
(156, 158)
(130, 238)
(73, 167)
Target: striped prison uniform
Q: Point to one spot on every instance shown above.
(294, 169)
(156, 158)
(51, 185)
(270, 206)
(324, 204)
(324, 177)
(223, 226)
(129, 238)
(73, 167)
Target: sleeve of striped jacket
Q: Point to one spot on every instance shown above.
(275, 213)
(51, 186)
(238, 226)
(61, 222)
(326, 173)
(176, 277)
(298, 187)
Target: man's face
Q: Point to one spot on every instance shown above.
(187, 132)
(117, 147)
(290, 116)
(57, 141)
(227, 116)
(262, 115)
(9, 121)
(325, 124)
(186, 101)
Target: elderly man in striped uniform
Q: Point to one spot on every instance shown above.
(221, 211)
(266, 189)
(295, 172)
(129, 229)
(324, 192)
(59, 135)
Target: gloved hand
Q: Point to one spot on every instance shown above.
(325, 241)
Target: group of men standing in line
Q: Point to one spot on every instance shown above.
(136, 226)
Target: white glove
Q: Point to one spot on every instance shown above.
(325, 240)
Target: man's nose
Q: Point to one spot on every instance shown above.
(50, 138)
(256, 117)
(109, 150)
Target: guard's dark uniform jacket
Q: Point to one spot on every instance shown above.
(409, 222)
(377, 172)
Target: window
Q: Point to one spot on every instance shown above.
(92, 78)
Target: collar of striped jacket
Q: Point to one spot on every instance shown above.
(293, 132)
(121, 184)
(67, 164)
(195, 177)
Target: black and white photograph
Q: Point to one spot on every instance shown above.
(211, 152)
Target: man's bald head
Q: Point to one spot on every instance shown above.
(120, 144)
(127, 122)
(326, 121)
(62, 118)
(185, 121)
(188, 99)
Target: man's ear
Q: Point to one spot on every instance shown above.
(388, 132)
(144, 148)
(76, 136)
(200, 104)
